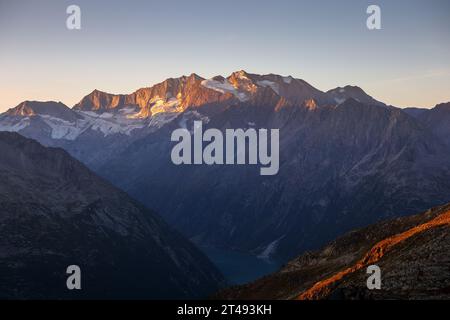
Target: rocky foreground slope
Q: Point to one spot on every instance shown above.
(54, 212)
(412, 252)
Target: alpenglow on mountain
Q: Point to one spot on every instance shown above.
(346, 159)
(412, 253)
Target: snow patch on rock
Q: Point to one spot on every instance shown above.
(266, 83)
(270, 249)
(169, 106)
(287, 80)
(224, 87)
(14, 126)
(339, 100)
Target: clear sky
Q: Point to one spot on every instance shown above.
(125, 45)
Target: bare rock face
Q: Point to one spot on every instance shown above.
(54, 212)
(102, 101)
(411, 252)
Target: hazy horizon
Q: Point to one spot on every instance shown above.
(124, 46)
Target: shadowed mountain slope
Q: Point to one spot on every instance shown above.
(54, 212)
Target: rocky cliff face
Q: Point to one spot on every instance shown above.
(411, 252)
(102, 101)
(54, 212)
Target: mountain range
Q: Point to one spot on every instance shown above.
(346, 159)
(55, 212)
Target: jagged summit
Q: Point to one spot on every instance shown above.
(154, 106)
(178, 94)
(100, 101)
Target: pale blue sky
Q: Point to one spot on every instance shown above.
(125, 45)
